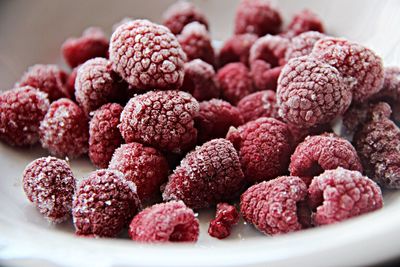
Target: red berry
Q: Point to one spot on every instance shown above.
(70, 85)
(225, 217)
(265, 77)
(270, 49)
(237, 49)
(305, 21)
(354, 118)
(302, 44)
(257, 105)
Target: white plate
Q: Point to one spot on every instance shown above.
(32, 32)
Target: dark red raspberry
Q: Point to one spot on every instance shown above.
(93, 43)
(104, 136)
(323, 152)
(182, 13)
(162, 119)
(340, 194)
(147, 56)
(311, 92)
(226, 216)
(265, 77)
(264, 148)
(257, 16)
(200, 80)
(305, 21)
(104, 203)
(47, 78)
(302, 44)
(235, 82)
(355, 61)
(273, 206)
(354, 118)
(165, 222)
(145, 166)
(70, 85)
(64, 130)
(49, 184)
(257, 105)
(270, 49)
(209, 174)
(21, 111)
(237, 49)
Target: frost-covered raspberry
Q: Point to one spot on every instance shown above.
(47, 78)
(257, 16)
(237, 49)
(162, 119)
(182, 13)
(311, 92)
(354, 61)
(265, 77)
(49, 184)
(354, 118)
(70, 85)
(145, 166)
(226, 216)
(215, 118)
(323, 152)
(273, 206)
(93, 43)
(264, 148)
(104, 136)
(341, 194)
(257, 105)
(165, 222)
(302, 44)
(304, 21)
(270, 49)
(235, 82)
(209, 174)
(64, 130)
(147, 55)
(200, 80)
(103, 204)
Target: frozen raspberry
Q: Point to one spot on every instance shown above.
(70, 85)
(64, 130)
(181, 13)
(49, 184)
(270, 49)
(235, 82)
(196, 43)
(311, 92)
(354, 61)
(162, 119)
(47, 78)
(215, 118)
(93, 43)
(305, 21)
(257, 16)
(165, 222)
(103, 204)
(200, 80)
(145, 166)
(104, 136)
(323, 152)
(340, 194)
(21, 111)
(257, 105)
(264, 148)
(273, 206)
(147, 56)
(265, 77)
(354, 118)
(237, 49)
(209, 174)
(225, 217)
(302, 44)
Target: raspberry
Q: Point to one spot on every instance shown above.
(196, 43)
(258, 17)
(49, 184)
(270, 49)
(147, 56)
(145, 166)
(70, 85)
(305, 21)
(235, 82)
(64, 130)
(323, 152)
(237, 49)
(257, 105)
(93, 43)
(354, 61)
(354, 118)
(165, 222)
(21, 110)
(103, 204)
(264, 148)
(264, 77)
(311, 92)
(215, 118)
(225, 217)
(47, 78)
(104, 136)
(302, 44)
(273, 206)
(340, 194)
(209, 174)
(200, 80)
(162, 119)
(182, 13)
